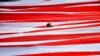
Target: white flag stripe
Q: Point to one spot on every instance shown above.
(50, 49)
(94, 55)
(33, 30)
(69, 26)
(36, 24)
(30, 42)
(6, 29)
(82, 5)
(6, 9)
(56, 32)
(42, 2)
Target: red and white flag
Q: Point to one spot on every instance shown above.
(75, 31)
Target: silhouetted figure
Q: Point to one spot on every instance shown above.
(49, 25)
(8, 0)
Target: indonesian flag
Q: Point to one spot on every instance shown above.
(75, 31)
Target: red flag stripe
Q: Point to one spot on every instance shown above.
(65, 54)
(81, 40)
(46, 37)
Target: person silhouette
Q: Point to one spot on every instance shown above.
(49, 25)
